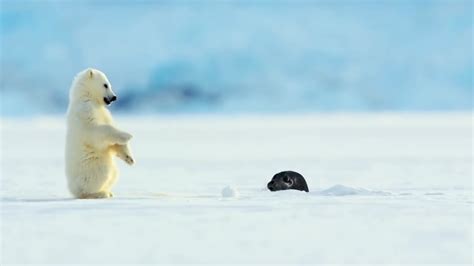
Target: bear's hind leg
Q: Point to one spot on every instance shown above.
(96, 195)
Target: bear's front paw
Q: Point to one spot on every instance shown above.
(129, 160)
(124, 138)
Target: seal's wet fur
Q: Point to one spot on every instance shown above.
(288, 180)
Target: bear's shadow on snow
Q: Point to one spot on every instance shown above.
(37, 199)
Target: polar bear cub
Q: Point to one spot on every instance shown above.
(92, 139)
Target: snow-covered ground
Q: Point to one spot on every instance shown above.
(384, 188)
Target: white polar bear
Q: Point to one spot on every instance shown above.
(92, 139)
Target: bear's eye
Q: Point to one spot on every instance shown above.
(106, 86)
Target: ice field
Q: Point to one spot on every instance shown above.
(384, 188)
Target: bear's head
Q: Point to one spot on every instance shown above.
(91, 84)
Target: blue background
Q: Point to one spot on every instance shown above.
(240, 57)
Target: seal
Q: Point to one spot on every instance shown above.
(287, 180)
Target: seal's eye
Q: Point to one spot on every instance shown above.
(106, 86)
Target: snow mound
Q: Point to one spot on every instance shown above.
(289, 192)
(341, 190)
(229, 192)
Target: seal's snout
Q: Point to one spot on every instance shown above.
(271, 185)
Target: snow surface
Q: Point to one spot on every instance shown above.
(384, 188)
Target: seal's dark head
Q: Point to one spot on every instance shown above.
(288, 180)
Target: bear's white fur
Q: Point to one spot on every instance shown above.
(92, 139)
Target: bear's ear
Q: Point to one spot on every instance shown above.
(90, 73)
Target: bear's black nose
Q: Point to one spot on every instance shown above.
(113, 98)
